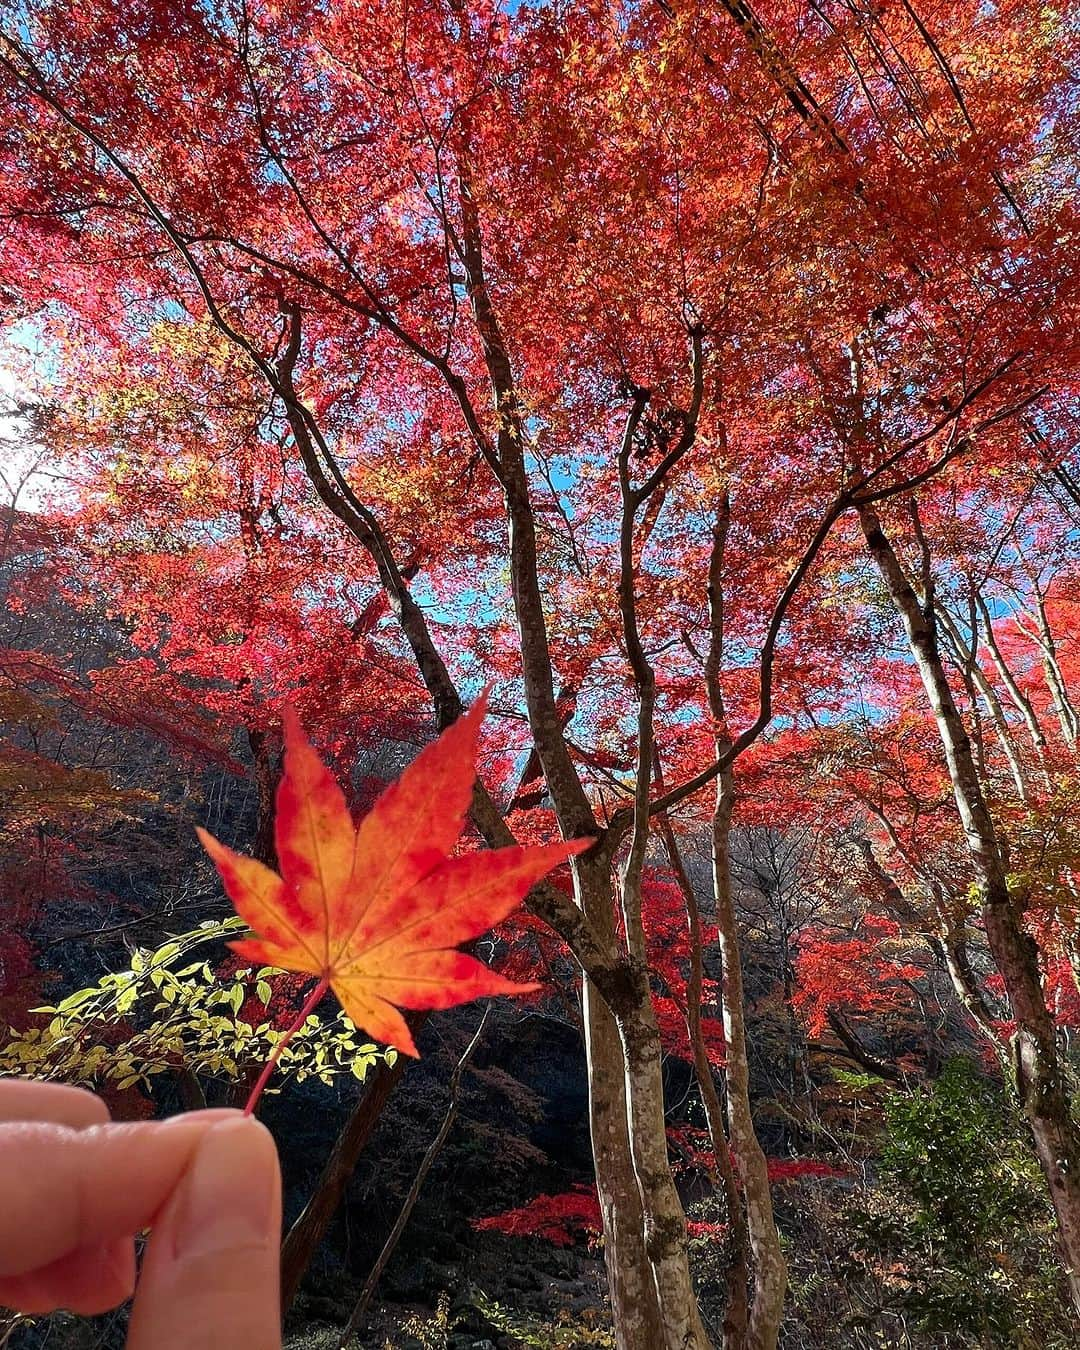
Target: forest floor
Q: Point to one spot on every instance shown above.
(503, 1295)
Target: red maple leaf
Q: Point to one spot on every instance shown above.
(377, 912)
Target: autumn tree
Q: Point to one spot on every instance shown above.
(589, 334)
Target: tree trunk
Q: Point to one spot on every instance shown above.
(1019, 698)
(865, 1058)
(627, 1111)
(770, 1267)
(659, 1209)
(635, 1307)
(432, 1152)
(665, 1221)
(1040, 1080)
(266, 759)
(737, 1274)
(1059, 692)
(973, 672)
(310, 1228)
(190, 1090)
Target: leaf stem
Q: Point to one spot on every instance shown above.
(312, 1000)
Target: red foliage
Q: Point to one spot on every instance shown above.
(695, 1149)
(1062, 994)
(795, 1169)
(856, 974)
(568, 1218)
(668, 944)
(563, 1219)
(20, 980)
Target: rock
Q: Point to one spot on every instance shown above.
(416, 1280)
(473, 1321)
(562, 1262)
(523, 1278)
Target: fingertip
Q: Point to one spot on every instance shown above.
(230, 1192)
(24, 1099)
(211, 1271)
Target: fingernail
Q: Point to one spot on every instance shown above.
(228, 1198)
(207, 1116)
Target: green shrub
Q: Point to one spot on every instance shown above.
(959, 1230)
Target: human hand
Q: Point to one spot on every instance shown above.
(76, 1188)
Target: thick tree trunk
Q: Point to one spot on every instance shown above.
(190, 1090)
(266, 758)
(634, 1302)
(627, 1113)
(1039, 1076)
(665, 1222)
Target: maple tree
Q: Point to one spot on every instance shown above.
(593, 350)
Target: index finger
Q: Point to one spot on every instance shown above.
(66, 1188)
(26, 1099)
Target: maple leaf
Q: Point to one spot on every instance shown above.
(377, 912)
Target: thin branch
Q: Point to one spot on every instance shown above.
(409, 1203)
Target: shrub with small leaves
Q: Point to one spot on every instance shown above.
(959, 1233)
(170, 1012)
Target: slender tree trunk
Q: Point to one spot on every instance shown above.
(662, 1211)
(736, 1309)
(770, 1267)
(310, 1228)
(966, 986)
(1055, 679)
(949, 947)
(974, 672)
(1039, 1074)
(431, 1154)
(1019, 698)
(865, 1058)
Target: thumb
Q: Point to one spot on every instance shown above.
(210, 1277)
